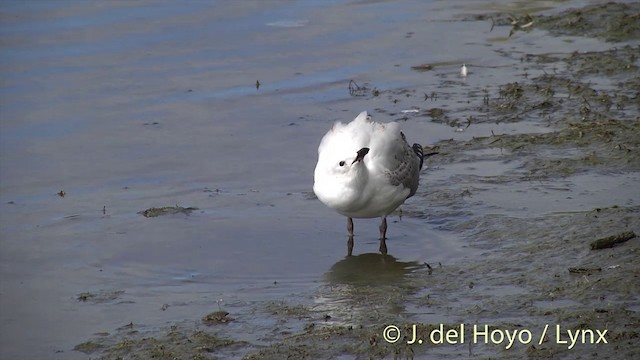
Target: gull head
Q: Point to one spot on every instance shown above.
(341, 172)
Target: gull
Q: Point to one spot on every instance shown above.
(366, 169)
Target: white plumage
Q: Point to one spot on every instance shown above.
(366, 169)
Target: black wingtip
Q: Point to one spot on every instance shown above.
(417, 148)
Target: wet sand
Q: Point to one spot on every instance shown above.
(123, 107)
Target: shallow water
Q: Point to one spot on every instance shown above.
(130, 105)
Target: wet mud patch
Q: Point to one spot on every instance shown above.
(178, 342)
(540, 254)
(166, 210)
(611, 21)
(543, 98)
(217, 317)
(600, 146)
(616, 61)
(99, 297)
(557, 89)
(582, 147)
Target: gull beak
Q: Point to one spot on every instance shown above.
(361, 153)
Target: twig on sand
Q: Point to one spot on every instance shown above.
(580, 270)
(611, 241)
(356, 90)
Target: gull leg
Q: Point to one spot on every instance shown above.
(383, 228)
(383, 236)
(350, 241)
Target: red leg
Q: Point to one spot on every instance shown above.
(383, 236)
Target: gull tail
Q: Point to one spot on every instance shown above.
(417, 148)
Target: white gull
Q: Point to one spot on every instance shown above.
(366, 169)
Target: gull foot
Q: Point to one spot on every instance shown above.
(350, 246)
(383, 247)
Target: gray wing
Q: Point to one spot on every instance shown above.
(405, 169)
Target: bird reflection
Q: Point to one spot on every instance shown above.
(370, 269)
(366, 288)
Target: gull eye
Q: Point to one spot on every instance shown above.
(341, 163)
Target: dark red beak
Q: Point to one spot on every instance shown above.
(361, 153)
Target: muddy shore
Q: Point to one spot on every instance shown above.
(492, 258)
